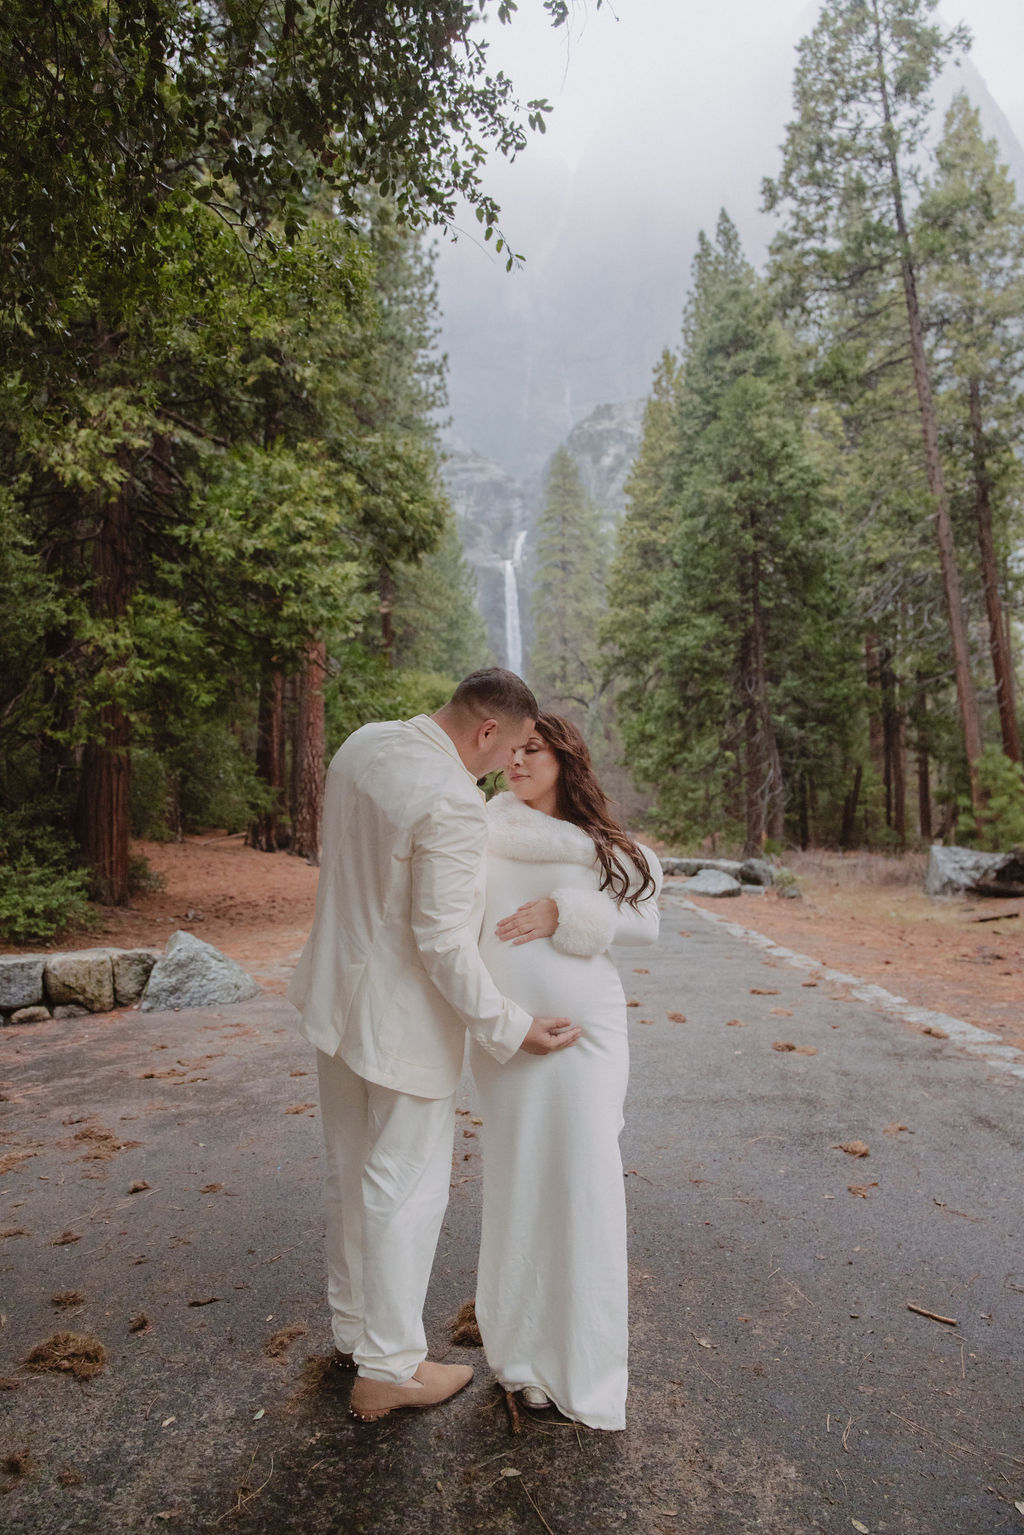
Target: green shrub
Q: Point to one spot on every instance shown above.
(1000, 826)
(42, 891)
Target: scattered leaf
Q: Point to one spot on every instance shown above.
(168, 1421)
(139, 1322)
(65, 1298)
(632, 1002)
(782, 1012)
(71, 1353)
(783, 1044)
(676, 1017)
(894, 1129)
(853, 1148)
(862, 1528)
(278, 1345)
(138, 1186)
(861, 1189)
(258, 1415)
(19, 1462)
(735, 1023)
(13, 1231)
(299, 1108)
(211, 1188)
(764, 991)
(645, 1020)
(935, 1033)
(683, 933)
(206, 1301)
(66, 1238)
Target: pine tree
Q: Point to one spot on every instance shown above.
(850, 157)
(736, 698)
(568, 596)
(971, 233)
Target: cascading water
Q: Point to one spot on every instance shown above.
(513, 629)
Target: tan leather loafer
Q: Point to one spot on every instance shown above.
(432, 1383)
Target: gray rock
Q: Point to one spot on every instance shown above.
(72, 1010)
(21, 980)
(683, 866)
(790, 892)
(691, 866)
(30, 1015)
(757, 871)
(131, 969)
(952, 870)
(82, 979)
(713, 882)
(195, 974)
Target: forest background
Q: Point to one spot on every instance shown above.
(225, 542)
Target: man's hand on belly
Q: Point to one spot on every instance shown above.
(545, 1035)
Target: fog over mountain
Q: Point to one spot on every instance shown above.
(563, 351)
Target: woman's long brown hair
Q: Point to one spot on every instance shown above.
(581, 800)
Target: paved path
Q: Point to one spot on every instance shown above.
(780, 1385)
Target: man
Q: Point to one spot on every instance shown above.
(387, 985)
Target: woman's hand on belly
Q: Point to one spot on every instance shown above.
(537, 919)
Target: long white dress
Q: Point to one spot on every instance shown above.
(551, 1297)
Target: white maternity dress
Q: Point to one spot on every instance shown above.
(551, 1297)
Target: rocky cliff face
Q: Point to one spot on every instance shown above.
(493, 509)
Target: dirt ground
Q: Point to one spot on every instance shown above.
(862, 913)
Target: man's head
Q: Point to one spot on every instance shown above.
(490, 713)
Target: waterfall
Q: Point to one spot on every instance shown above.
(513, 629)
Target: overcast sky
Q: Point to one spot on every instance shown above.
(664, 111)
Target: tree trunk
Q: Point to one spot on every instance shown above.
(764, 796)
(997, 634)
(267, 832)
(103, 811)
(924, 789)
(894, 736)
(966, 697)
(309, 755)
(876, 705)
(850, 809)
(804, 813)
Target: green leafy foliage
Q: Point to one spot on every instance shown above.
(42, 891)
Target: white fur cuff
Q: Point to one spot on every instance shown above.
(586, 921)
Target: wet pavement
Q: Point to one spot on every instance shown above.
(780, 1384)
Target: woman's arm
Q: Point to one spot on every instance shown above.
(586, 922)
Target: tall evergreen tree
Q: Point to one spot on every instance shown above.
(736, 699)
(971, 233)
(568, 595)
(850, 158)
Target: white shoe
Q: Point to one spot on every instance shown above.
(534, 1398)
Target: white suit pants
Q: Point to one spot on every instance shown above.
(389, 1160)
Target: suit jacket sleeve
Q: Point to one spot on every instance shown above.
(448, 850)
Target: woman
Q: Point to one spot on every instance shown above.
(551, 1292)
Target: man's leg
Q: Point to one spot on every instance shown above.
(387, 1181)
(405, 1184)
(343, 1116)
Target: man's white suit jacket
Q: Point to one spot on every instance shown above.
(391, 977)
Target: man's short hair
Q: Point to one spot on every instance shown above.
(493, 692)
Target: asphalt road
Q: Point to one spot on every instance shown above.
(779, 1382)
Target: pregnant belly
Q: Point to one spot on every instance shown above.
(550, 984)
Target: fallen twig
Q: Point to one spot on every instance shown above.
(536, 1510)
(933, 1316)
(515, 1417)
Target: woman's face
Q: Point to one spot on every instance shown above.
(533, 776)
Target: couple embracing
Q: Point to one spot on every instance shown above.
(437, 914)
